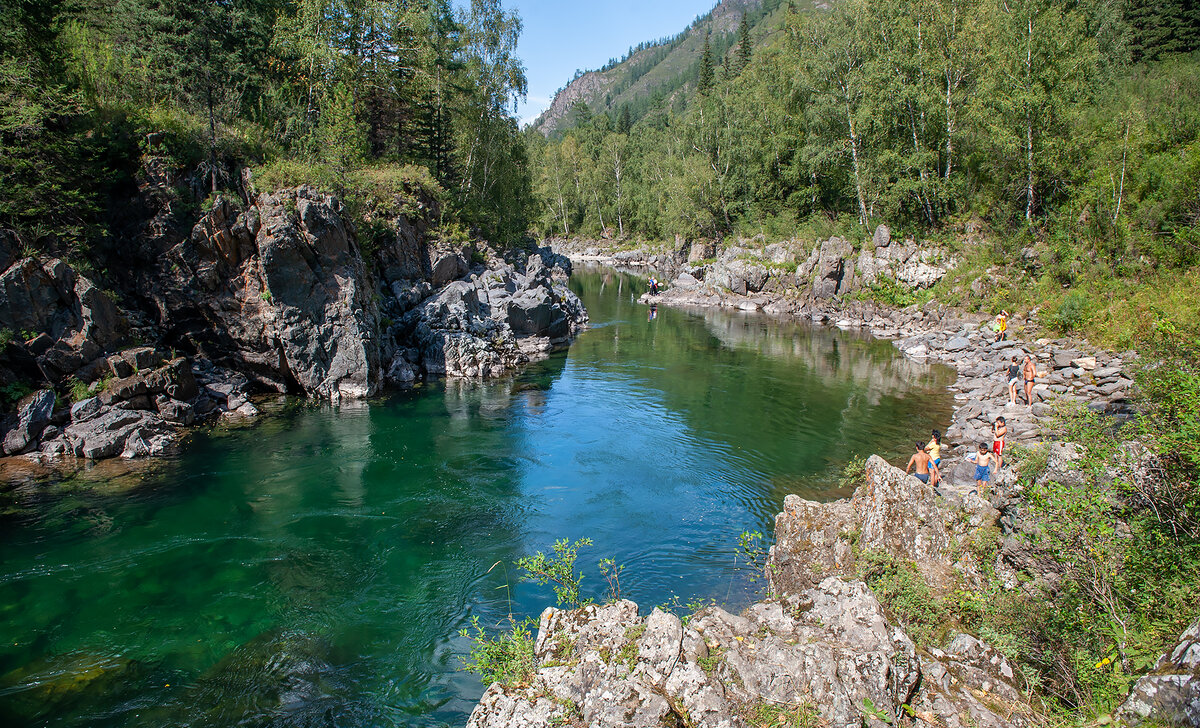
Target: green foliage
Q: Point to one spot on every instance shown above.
(711, 661)
(611, 572)
(6, 337)
(854, 474)
(506, 658)
(1072, 313)
(765, 714)
(77, 391)
(13, 392)
(888, 291)
(558, 570)
(902, 590)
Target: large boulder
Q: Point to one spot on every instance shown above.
(32, 417)
(1170, 694)
(890, 513)
(834, 269)
(75, 319)
(283, 295)
(325, 314)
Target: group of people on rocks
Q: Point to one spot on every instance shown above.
(927, 460)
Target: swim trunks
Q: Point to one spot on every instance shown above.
(983, 472)
(923, 477)
(998, 447)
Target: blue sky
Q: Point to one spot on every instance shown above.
(559, 37)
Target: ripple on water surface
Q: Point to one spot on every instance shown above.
(315, 568)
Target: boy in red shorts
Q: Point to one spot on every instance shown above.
(999, 431)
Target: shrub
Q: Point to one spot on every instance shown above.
(558, 570)
(506, 658)
(1072, 313)
(900, 587)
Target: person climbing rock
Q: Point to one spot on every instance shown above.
(924, 465)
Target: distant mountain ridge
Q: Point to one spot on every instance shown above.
(666, 69)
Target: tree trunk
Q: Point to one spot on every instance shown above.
(862, 204)
(1029, 123)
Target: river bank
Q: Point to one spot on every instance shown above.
(825, 648)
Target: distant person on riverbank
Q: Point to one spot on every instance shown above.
(1030, 372)
(1001, 325)
(999, 432)
(983, 468)
(924, 466)
(934, 448)
(653, 286)
(1014, 378)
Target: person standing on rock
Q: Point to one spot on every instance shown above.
(1001, 325)
(653, 286)
(934, 448)
(924, 466)
(1014, 378)
(999, 431)
(983, 468)
(1030, 373)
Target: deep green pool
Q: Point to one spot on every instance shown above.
(314, 569)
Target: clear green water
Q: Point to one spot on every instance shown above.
(313, 570)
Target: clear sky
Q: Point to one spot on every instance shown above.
(561, 36)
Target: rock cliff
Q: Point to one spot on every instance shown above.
(276, 295)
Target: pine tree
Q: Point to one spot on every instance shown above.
(745, 47)
(704, 81)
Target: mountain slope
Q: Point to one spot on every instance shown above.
(666, 69)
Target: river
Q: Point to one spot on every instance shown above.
(315, 568)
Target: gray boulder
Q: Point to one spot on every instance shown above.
(1170, 694)
(890, 513)
(32, 417)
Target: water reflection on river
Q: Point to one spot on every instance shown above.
(314, 569)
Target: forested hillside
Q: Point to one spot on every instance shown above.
(351, 96)
(665, 71)
(1070, 128)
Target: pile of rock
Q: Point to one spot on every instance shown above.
(136, 410)
(492, 322)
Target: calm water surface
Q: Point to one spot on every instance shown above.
(314, 569)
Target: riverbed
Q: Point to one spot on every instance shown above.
(315, 568)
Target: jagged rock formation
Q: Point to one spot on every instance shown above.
(890, 513)
(275, 297)
(752, 276)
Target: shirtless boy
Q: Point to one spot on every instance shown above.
(983, 468)
(924, 465)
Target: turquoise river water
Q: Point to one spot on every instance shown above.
(314, 569)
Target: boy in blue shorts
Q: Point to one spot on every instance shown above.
(983, 468)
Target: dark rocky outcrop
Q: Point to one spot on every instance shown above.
(273, 295)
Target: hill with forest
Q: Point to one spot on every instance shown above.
(665, 71)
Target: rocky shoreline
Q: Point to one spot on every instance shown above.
(277, 296)
(823, 650)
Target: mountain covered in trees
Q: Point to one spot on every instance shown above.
(665, 71)
(1075, 123)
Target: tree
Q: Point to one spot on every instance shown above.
(745, 46)
(706, 77)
